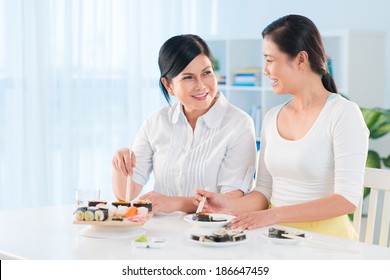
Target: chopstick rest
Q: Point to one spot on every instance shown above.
(322, 244)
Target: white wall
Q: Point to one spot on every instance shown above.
(249, 17)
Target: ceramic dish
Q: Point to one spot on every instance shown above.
(213, 224)
(111, 232)
(151, 243)
(218, 244)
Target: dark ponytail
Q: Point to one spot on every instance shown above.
(328, 82)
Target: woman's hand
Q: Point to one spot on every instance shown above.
(160, 202)
(215, 203)
(254, 220)
(122, 163)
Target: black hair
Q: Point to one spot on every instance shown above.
(176, 53)
(295, 33)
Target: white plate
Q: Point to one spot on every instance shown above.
(228, 218)
(112, 232)
(284, 241)
(218, 244)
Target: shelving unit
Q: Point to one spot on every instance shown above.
(357, 59)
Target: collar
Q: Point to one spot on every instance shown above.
(213, 116)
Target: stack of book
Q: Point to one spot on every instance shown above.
(247, 77)
(221, 79)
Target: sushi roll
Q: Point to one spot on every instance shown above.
(121, 210)
(121, 203)
(278, 233)
(238, 237)
(196, 237)
(90, 214)
(219, 238)
(80, 213)
(202, 217)
(144, 203)
(131, 211)
(142, 211)
(111, 209)
(93, 203)
(101, 214)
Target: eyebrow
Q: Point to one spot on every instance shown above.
(207, 67)
(268, 55)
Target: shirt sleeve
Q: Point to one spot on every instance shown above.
(350, 146)
(143, 152)
(238, 167)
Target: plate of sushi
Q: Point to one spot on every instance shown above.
(115, 214)
(222, 237)
(112, 232)
(213, 220)
(278, 235)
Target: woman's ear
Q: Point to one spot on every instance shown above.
(303, 58)
(167, 86)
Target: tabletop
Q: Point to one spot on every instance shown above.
(48, 233)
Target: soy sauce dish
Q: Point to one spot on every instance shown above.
(146, 242)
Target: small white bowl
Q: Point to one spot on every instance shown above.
(140, 244)
(157, 242)
(151, 243)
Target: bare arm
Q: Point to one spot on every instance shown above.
(185, 204)
(225, 203)
(252, 209)
(320, 209)
(324, 208)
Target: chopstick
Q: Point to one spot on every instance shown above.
(200, 206)
(323, 244)
(129, 179)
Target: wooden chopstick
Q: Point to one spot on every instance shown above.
(200, 206)
(323, 244)
(128, 181)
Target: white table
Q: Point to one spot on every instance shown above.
(48, 233)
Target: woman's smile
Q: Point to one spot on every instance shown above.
(201, 96)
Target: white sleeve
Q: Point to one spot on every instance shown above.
(350, 145)
(143, 152)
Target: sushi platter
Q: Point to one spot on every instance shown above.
(116, 214)
(115, 223)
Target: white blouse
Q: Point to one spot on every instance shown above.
(220, 154)
(329, 159)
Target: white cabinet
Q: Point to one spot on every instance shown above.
(237, 54)
(357, 59)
